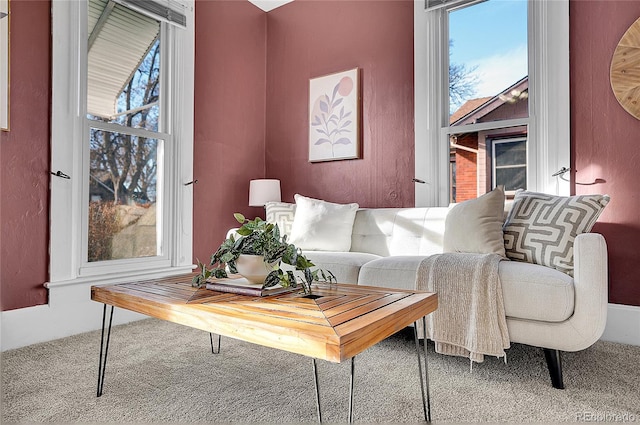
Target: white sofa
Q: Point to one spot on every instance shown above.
(544, 307)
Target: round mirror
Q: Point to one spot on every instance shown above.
(625, 70)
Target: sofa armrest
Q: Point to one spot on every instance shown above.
(591, 286)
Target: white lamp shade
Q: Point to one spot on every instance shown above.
(262, 191)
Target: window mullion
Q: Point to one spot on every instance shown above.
(134, 131)
(491, 125)
(549, 101)
(448, 4)
(431, 154)
(168, 197)
(68, 35)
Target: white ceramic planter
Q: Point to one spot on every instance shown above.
(253, 268)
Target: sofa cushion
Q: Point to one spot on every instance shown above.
(344, 265)
(398, 272)
(475, 226)
(322, 226)
(535, 292)
(282, 214)
(399, 231)
(541, 228)
(530, 291)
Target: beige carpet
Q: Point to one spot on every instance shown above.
(159, 372)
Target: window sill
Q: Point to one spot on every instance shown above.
(113, 278)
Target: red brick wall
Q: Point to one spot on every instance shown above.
(466, 168)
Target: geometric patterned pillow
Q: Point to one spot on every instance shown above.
(282, 214)
(541, 228)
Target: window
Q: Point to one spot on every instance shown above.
(472, 87)
(116, 131)
(509, 164)
(126, 161)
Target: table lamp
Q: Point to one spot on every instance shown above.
(262, 191)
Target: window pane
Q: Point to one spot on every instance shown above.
(123, 76)
(464, 154)
(488, 71)
(477, 157)
(512, 178)
(123, 189)
(510, 153)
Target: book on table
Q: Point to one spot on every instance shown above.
(237, 284)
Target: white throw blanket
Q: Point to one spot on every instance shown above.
(470, 320)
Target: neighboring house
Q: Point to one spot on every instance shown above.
(483, 160)
(101, 187)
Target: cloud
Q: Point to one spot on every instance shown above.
(497, 72)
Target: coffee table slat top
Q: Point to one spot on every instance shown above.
(345, 320)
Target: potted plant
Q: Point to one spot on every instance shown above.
(260, 238)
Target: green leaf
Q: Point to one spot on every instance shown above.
(272, 279)
(291, 279)
(219, 273)
(308, 276)
(244, 231)
(239, 217)
(227, 257)
(232, 267)
(303, 263)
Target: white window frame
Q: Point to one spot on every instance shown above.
(548, 122)
(494, 167)
(69, 154)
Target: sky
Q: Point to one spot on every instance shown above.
(491, 36)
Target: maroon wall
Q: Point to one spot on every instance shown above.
(229, 116)
(308, 39)
(24, 159)
(605, 139)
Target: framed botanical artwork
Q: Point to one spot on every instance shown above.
(4, 64)
(334, 116)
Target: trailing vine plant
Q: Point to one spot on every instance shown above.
(259, 237)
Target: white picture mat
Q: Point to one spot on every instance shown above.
(334, 116)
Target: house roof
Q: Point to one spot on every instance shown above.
(467, 107)
(117, 35)
(474, 109)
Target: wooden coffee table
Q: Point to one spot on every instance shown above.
(335, 324)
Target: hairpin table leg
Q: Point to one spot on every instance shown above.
(351, 390)
(424, 378)
(315, 376)
(212, 350)
(104, 348)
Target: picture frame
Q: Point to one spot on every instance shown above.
(4, 65)
(334, 116)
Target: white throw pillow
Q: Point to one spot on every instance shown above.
(475, 225)
(282, 214)
(322, 226)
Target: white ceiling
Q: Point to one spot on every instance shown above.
(268, 5)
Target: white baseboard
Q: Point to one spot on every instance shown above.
(623, 324)
(70, 311)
